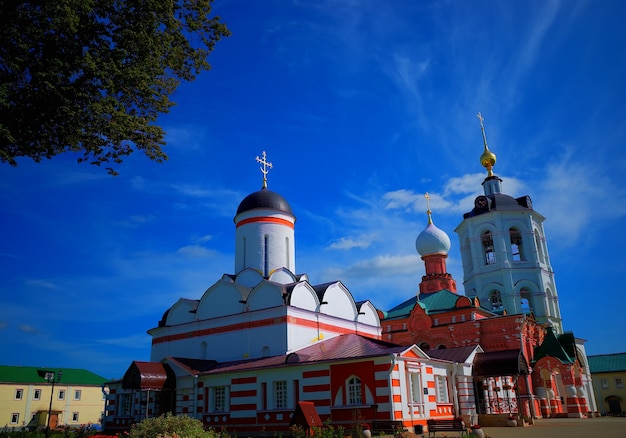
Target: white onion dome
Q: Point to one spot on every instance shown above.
(432, 241)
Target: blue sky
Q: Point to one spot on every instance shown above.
(362, 107)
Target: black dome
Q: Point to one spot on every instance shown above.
(264, 199)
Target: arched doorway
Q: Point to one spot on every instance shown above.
(615, 404)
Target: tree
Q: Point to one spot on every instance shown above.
(92, 76)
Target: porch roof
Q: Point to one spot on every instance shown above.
(500, 363)
(148, 375)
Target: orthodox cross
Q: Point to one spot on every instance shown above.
(482, 128)
(480, 117)
(427, 196)
(264, 170)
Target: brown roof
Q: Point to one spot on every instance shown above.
(500, 363)
(148, 375)
(455, 354)
(348, 346)
(306, 416)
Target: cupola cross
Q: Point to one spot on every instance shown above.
(264, 169)
(427, 196)
(488, 158)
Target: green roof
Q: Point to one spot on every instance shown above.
(439, 301)
(434, 302)
(403, 309)
(556, 346)
(71, 376)
(607, 363)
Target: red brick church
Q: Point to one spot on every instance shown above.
(510, 307)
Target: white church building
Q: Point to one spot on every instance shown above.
(265, 338)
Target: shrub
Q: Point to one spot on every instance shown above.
(168, 425)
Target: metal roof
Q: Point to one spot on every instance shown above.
(149, 375)
(402, 309)
(264, 198)
(561, 347)
(607, 363)
(439, 301)
(70, 376)
(348, 346)
(455, 354)
(500, 363)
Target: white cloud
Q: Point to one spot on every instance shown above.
(45, 284)
(363, 241)
(138, 340)
(25, 328)
(379, 266)
(195, 251)
(571, 195)
(137, 220)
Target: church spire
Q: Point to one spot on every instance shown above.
(264, 169)
(488, 158)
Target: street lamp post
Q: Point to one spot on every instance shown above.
(51, 377)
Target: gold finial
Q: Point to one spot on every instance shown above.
(488, 158)
(430, 219)
(264, 170)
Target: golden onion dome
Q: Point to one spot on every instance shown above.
(488, 159)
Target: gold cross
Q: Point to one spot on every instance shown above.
(427, 196)
(264, 170)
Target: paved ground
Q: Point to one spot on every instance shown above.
(603, 427)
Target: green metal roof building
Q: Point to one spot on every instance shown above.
(26, 393)
(608, 373)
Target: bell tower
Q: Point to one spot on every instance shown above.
(506, 264)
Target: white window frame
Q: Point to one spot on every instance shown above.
(37, 394)
(19, 394)
(619, 382)
(441, 383)
(75, 417)
(77, 394)
(219, 399)
(61, 395)
(354, 391)
(15, 418)
(604, 382)
(279, 391)
(415, 381)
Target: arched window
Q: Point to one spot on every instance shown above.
(526, 298)
(487, 241)
(245, 248)
(516, 245)
(355, 393)
(496, 300)
(553, 305)
(266, 261)
(539, 245)
(424, 346)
